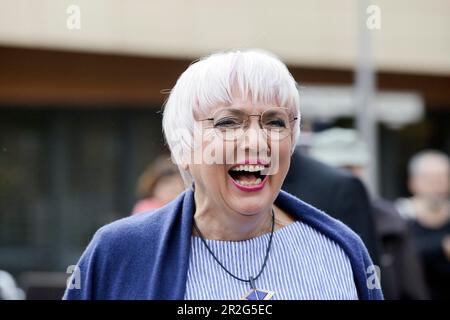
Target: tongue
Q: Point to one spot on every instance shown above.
(247, 177)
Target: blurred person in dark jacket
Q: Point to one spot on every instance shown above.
(335, 192)
(429, 212)
(401, 271)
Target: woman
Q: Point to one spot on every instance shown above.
(159, 184)
(232, 123)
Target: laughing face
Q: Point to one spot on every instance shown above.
(253, 167)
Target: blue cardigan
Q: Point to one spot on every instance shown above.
(147, 256)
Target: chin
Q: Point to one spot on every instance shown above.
(250, 207)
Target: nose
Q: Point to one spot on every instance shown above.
(254, 138)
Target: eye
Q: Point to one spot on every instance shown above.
(276, 123)
(228, 122)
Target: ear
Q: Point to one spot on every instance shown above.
(184, 162)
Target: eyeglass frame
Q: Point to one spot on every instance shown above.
(295, 118)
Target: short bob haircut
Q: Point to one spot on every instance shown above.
(209, 82)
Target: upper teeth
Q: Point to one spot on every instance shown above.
(249, 167)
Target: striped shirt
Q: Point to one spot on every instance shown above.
(302, 264)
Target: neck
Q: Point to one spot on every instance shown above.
(225, 224)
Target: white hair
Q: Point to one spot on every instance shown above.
(209, 82)
(419, 160)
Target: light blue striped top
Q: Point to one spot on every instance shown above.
(303, 264)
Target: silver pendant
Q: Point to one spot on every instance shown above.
(258, 294)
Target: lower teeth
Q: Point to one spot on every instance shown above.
(249, 183)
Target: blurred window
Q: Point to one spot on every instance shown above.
(65, 173)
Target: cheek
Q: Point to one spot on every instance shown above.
(443, 184)
(217, 151)
(208, 176)
(281, 153)
(285, 161)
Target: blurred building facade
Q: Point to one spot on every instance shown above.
(80, 109)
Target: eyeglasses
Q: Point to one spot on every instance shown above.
(230, 124)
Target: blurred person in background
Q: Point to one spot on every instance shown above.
(233, 234)
(429, 211)
(159, 184)
(335, 192)
(401, 270)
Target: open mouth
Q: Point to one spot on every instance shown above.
(248, 174)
